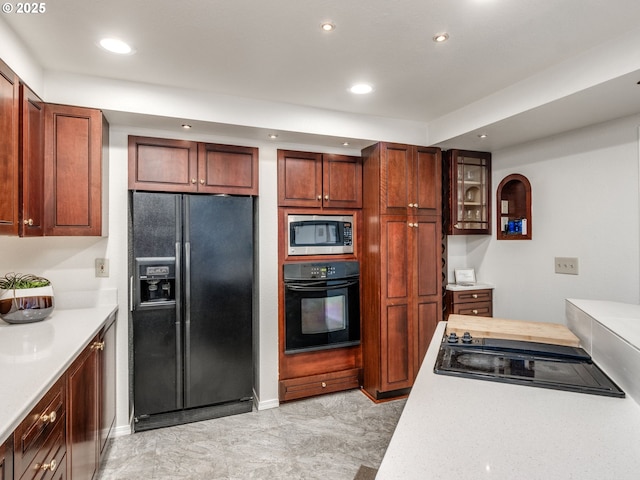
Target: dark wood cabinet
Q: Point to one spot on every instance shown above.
(316, 180)
(82, 414)
(40, 440)
(478, 302)
(514, 208)
(32, 164)
(166, 165)
(401, 269)
(9, 157)
(312, 385)
(467, 192)
(107, 386)
(6, 459)
(76, 139)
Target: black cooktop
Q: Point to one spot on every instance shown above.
(524, 363)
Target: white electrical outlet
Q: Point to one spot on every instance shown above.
(566, 265)
(102, 267)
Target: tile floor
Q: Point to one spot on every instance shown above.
(326, 437)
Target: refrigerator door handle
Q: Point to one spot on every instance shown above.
(187, 323)
(178, 327)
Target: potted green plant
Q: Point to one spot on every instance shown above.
(25, 298)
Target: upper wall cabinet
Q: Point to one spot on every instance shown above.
(9, 136)
(165, 165)
(514, 208)
(317, 180)
(409, 180)
(76, 159)
(468, 192)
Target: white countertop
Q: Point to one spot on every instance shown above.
(34, 355)
(467, 429)
(476, 286)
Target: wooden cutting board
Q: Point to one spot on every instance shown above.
(489, 327)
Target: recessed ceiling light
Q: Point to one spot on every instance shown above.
(328, 26)
(441, 37)
(273, 136)
(482, 135)
(345, 144)
(186, 126)
(115, 45)
(361, 88)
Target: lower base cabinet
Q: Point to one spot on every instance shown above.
(312, 385)
(64, 435)
(470, 302)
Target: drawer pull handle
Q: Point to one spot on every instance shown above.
(49, 418)
(324, 385)
(49, 466)
(475, 312)
(97, 346)
(475, 295)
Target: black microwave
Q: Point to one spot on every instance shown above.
(320, 234)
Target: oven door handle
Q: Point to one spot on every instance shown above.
(297, 287)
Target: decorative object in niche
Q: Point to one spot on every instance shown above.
(25, 298)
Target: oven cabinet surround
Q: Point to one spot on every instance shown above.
(476, 300)
(319, 180)
(59, 403)
(516, 431)
(166, 165)
(313, 373)
(401, 263)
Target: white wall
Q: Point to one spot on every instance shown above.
(585, 204)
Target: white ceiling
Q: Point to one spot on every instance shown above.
(275, 50)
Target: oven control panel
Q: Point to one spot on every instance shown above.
(321, 270)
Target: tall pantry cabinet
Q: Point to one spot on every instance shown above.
(402, 263)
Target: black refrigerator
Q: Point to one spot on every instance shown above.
(192, 283)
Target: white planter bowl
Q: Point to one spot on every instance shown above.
(26, 305)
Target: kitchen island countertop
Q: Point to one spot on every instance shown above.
(34, 355)
(468, 429)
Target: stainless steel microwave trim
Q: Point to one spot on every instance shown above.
(346, 247)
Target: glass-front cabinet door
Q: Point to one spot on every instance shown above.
(469, 182)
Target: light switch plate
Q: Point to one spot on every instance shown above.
(566, 265)
(102, 267)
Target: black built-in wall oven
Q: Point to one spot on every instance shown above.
(322, 305)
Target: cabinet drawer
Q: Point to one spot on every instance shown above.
(472, 296)
(41, 436)
(319, 384)
(483, 309)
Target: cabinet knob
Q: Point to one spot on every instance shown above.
(475, 312)
(319, 197)
(97, 346)
(324, 385)
(202, 181)
(49, 418)
(49, 466)
(475, 295)
(28, 222)
(326, 197)
(193, 180)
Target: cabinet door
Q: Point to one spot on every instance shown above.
(107, 369)
(396, 178)
(342, 181)
(9, 127)
(82, 415)
(428, 181)
(227, 169)
(32, 158)
(163, 165)
(396, 358)
(6, 460)
(427, 281)
(299, 179)
(73, 170)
